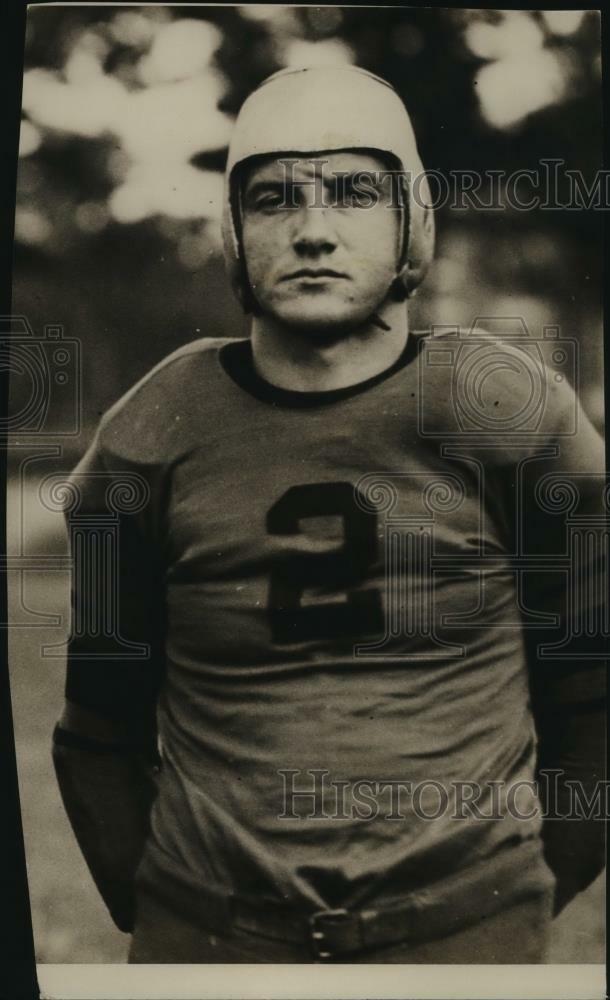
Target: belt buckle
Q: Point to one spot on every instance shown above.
(320, 923)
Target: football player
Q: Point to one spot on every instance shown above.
(324, 752)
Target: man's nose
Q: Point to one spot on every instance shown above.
(313, 234)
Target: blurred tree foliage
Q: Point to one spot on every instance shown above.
(126, 119)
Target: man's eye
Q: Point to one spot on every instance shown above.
(355, 197)
(270, 201)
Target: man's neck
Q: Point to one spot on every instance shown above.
(294, 359)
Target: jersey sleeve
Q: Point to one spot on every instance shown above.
(562, 523)
(117, 524)
(564, 528)
(116, 648)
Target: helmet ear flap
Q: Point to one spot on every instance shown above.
(248, 301)
(421, 249)
(398, 290)
(428, 222)
(232, 234)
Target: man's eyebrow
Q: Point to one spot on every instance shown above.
(376, 177)
(329, 180)
(252, 190)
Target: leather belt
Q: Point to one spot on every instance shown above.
(330, 933)
(457, 902)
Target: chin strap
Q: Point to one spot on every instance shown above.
(379, 322)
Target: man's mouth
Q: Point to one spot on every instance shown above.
(311, 273)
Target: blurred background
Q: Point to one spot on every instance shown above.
(127, 114)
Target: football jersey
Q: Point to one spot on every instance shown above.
(331, 587)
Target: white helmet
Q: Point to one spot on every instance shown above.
(327, 109)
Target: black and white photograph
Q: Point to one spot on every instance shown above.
(307, 511)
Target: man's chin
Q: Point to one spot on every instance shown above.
(321, 324)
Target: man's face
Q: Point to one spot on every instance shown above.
(321, 238)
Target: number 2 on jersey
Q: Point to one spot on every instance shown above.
(339, 571)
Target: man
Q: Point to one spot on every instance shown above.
(320, 683)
